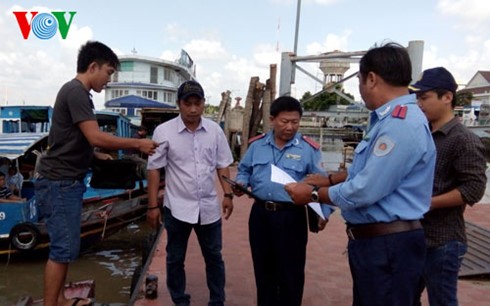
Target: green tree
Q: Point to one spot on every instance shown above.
(463, 98)
(210, 109)
(322, 101)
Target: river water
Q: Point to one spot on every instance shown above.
(110, 263)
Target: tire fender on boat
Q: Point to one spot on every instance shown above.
(24, 236)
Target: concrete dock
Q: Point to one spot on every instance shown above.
(328, 279)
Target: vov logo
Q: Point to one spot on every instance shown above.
(44, 25)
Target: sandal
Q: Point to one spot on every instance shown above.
(77, 300)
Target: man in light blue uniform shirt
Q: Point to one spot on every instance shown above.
(392, 165)
(388, 188)
(278, 229)
(297, 158)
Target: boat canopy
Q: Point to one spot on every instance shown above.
(25, 119)
(136, 101)
(14, 145)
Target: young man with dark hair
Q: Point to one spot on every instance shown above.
(6, 195)
(14, 180)
(388, 187)
(73, 135)
(278, 230)
(459, 180)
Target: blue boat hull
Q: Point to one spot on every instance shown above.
(104, 212)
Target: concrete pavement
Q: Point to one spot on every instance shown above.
(328, 279)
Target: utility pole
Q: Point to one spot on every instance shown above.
(296, 34)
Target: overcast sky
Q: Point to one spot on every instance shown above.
(230, 41)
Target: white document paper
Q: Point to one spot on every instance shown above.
(317, 208)
(281, 177)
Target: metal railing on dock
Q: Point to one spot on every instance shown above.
(323, 135)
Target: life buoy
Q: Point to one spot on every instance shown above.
(24, 236)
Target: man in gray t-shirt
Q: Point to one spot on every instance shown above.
(73, 135)
(70, 152)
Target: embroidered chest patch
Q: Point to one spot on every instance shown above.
(293, 156)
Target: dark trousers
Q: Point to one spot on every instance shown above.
(278, 243)
(386, 269)
(210, 241)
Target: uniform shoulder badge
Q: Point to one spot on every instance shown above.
(383, 146)
(260, 136)
(400, 112)
(311, 142)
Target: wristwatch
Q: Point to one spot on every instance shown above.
(229, 195)
(315, 197)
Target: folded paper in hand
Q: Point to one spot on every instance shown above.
(279, 176)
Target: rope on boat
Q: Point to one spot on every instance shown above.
(106, 216)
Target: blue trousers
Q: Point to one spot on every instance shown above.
(210, 241)
(60, 205)
(440, 275)
(386, 269)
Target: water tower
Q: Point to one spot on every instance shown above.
(334, 69)
(236, 116)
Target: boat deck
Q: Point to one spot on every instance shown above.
(328, 279)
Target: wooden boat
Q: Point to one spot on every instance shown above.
(25, 119)
(104, 210)
(82, 289)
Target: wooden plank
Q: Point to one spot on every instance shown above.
(227, 111)
(222, 106)
(256, 109)
(272, 78)
(477, 259)
(269, 96)
(266, 107)
(247, 114)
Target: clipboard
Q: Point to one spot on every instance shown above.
(239, 187)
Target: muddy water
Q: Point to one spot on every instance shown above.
(110, 263)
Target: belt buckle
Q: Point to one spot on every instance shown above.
(350, 234)
(270, 206)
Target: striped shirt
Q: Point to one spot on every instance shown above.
(5, 192)
(460, 164)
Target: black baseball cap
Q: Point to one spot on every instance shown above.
(434, 78)
(188, 89)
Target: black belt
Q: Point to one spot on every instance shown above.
(277, 206)
(379, 229)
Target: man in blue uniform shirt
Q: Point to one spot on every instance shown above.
(388, 188)
(278, 230)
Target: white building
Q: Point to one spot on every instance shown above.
(146, 82)
(479, 86)
(478, 111)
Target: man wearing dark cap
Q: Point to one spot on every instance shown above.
(459, 179)
(192, 149)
